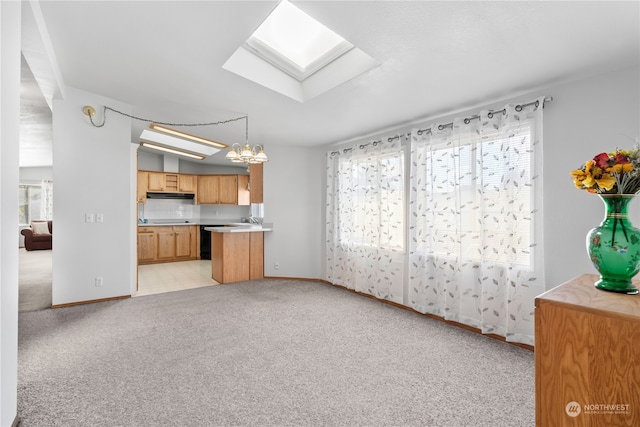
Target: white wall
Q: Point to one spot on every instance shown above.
(32, 175)
(94, 172)
(586, 117)
(292, 201)
(10, 17)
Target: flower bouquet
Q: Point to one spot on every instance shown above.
(613, 246)
(610, 173)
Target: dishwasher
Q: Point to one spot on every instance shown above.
(205, 240)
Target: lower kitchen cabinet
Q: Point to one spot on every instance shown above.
(237, 257)
(146, 245)
(167, 244)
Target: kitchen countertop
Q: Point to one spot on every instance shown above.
(164, 224)
(241, 228)
(169, 222)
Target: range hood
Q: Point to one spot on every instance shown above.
(179, 196)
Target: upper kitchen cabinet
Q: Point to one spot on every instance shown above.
(156, 181)
(255, 182)
(187, 183)
(166, 182)
(143, 178)
(223, 190)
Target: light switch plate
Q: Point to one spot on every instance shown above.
(88, 217)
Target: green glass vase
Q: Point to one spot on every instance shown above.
(614, 246)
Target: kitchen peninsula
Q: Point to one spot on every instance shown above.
(237, 252)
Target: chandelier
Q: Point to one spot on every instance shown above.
(246, 154)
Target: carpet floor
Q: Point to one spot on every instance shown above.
(34, 280)
(264, 353)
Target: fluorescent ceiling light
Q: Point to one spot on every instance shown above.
(181, 134)
(295, 42)
(166, 140)
(171, 150)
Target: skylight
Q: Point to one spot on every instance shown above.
(297, 56)
(295, 42)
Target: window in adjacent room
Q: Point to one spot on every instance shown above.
(29, 203)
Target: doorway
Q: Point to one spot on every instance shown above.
(35, 187)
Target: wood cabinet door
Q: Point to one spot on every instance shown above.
(187, 183)
(166, 243)
(228, 192)
(183, 241)
(243, 190)
(146, 247)
(208, 189)
(256, 182)
(194, 230)
(142, 187)
(156, 181)
(256, 255)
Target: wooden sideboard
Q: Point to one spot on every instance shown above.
(587, 356)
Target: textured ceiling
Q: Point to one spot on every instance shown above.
(165, 59)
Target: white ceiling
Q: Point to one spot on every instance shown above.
(165, 59)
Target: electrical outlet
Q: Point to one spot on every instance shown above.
(98, 282)
(276, 265)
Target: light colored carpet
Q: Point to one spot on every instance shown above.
(264, 353)
(34, 280)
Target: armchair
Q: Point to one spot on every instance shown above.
(35, 239)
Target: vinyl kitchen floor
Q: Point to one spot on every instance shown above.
(174, 276)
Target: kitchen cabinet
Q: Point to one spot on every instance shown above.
(185, 242)
(228, 189)
(168, 182)
(237, 257)
(587, 343)
(143, 178)
(222, 190)
(256, 182)
(155, 181)
(244, 197)
(146, 245)
(187, 183)
(167, 243)
(208, 189)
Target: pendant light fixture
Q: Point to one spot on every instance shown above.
(247, 154)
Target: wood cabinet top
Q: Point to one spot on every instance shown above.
(581, 294)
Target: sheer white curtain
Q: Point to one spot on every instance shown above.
(46, 195)
(365, 218)
(475, 210)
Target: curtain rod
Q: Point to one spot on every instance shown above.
(467, 120)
